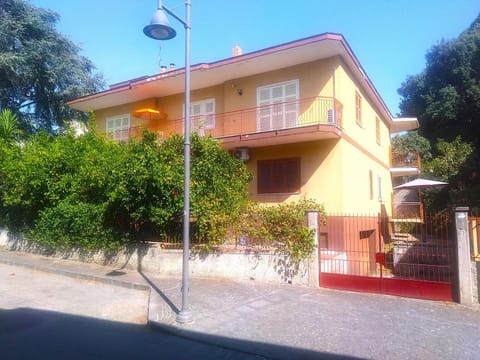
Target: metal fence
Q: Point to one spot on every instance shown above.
(379, 246)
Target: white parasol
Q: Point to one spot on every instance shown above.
(420, 184)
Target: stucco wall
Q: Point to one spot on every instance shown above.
(246, 265)
(337, 173)
(315, 79)
(319, 172)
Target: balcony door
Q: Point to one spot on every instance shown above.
(277, 106)
(202, 116)
(118, 127)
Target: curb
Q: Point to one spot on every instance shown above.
(77, 275)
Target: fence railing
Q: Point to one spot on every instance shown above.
(278, 116)
(377, 246)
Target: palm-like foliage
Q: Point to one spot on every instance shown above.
(9, 129)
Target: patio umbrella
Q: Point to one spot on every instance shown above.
(150, 114)
(420, 184)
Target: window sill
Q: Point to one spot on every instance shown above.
(281, 193)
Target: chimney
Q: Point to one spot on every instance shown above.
(172, 66)
(163, 68)
(237, 50)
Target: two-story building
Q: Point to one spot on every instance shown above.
(303, 115)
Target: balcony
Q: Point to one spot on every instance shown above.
(294, 121)
(409, 211)
(405, 164)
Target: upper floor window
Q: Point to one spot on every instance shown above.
(117, 127)
(378, 133)
(277, 106)
(278, 176)
(202, 115)
(380, 188)
(370, 174)
(358, 109)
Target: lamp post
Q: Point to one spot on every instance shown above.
(159, 29)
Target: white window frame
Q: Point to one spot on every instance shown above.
(117, 127)
(204, 119)
(271, 116)
(380, 188)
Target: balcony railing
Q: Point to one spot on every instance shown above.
(278, 116)
(405, 160)
(408, 210)
(125, 134)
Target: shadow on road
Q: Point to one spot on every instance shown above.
(27, 333)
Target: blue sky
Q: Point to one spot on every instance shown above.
(389, 37)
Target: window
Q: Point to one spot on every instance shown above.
(380, 188)
(370, 173)
(278, 176)
(202, 115)
(278, 106)
(117, 127)
(358, 109)
(377, 131)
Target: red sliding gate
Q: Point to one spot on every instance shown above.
(377, 254)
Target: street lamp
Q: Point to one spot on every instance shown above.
(160, 29)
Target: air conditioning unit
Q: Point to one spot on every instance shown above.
(242, 154)
(331, 116)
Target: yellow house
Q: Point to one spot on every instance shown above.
(303, 116)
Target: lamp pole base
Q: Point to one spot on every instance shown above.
(184, 317)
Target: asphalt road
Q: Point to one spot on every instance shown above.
(48, 316)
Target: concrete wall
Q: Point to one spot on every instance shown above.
(247, 265)
(476, 281)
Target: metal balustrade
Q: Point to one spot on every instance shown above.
(278, 116)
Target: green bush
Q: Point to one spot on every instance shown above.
(127, 187)
(74, 225)
(283, 226)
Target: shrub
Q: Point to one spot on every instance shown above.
(70, 225)
(126, 187)
(283, 226)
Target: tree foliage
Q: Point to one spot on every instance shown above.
(40, 69)
(412, 142)
(450, 159)
(446, 95)
(446, 99)
(283, 226)
(91, 192)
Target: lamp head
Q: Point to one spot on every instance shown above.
(159, 28)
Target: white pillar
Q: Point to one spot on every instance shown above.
(463, 256)
(313, 265)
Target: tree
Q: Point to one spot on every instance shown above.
(451, 157)
(445, 98)
(40, 69)
(412, 142)
(446, 95)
